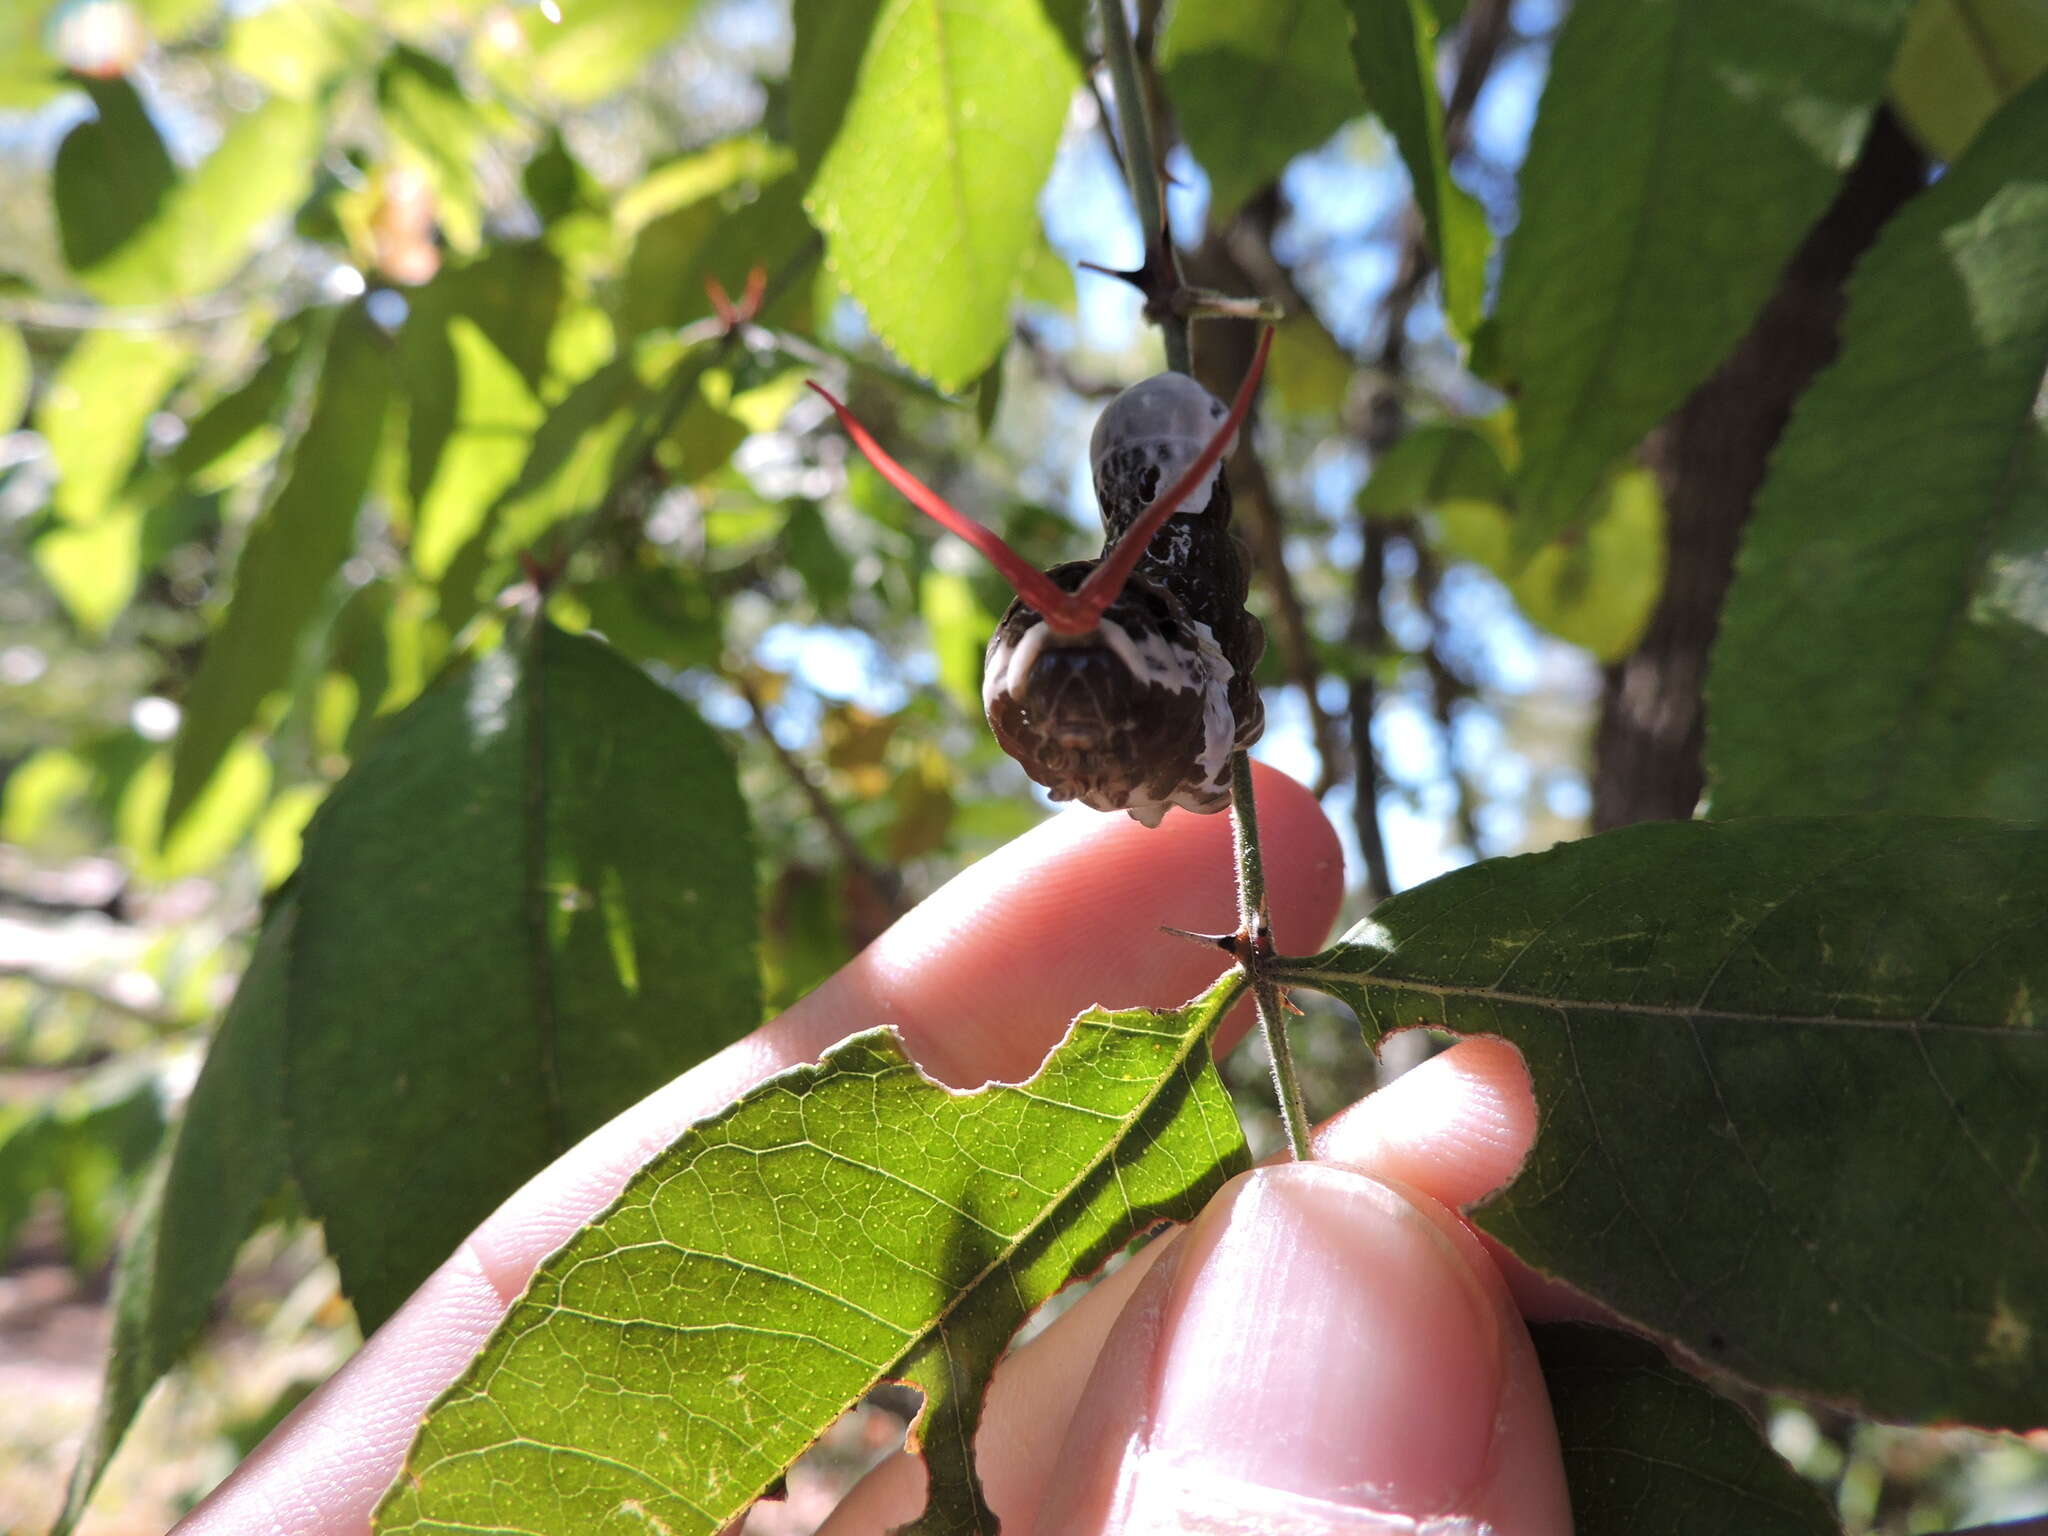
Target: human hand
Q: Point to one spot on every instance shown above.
(981, 980)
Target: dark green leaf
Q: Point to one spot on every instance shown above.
(816, 556)
(112, 175)
(1652, 1451)
(225, 1160)
(531, 903)
(1393, 43)
(1885, 645)
(927, 198)
(1254, 86)
(292, 552)
(1790, 1075)
(1680, 154)
(845, 1224)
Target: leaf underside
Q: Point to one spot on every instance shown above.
(1791, 1074)
(844, 1224)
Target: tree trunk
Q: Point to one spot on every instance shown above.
(1709, 458)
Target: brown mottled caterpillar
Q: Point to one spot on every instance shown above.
(1125, 682)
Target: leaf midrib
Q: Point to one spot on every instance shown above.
(1309, 975)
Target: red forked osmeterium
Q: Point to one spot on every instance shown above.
(1065, 613)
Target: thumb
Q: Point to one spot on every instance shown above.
(1322, 1353)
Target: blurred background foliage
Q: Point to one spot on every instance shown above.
(332, 333)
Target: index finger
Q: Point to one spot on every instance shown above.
(981, 980)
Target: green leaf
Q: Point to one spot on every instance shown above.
(1441, 462)
(16, 375)
(29, 77)
(816, 556)
(1790, 1075)
(1885, 644)
(503, 930)
(1649, 1447)
(428, 116)
(843, 1225)
(1254, 86)
(225, 1160)
(1393, 45)
(959, 627)
(96, 409)
(297, 48)
(595, 48)
(173, 236)
(1962, 59)
(1680, 154)
(928, 196)
(111, 176)
(241, 428)
(294, 549)
(220, 816)
(93, 567)
(1595, 587)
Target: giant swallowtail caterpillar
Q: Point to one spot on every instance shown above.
(1125, 682)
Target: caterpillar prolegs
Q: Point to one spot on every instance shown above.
(1125, 682)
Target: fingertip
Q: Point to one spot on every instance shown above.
(1458, 1127)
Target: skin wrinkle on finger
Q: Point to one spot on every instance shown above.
(1047, 923)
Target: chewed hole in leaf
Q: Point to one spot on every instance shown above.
(860, 1440)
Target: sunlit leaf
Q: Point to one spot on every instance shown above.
(496, 416)
(291, 553)
(1680, 154)
(1885, 645)
(1764, 1050)
(93, 567)
(214, 824)
(28, 75)
(1640, 1435)
(1596, 586)
(499, 928)
(1254, 86)
(96, 409)
(845, 1224)
(15, 377)
(1393, 43)
(226, 1158)
(1434, 464)
(591, 48)
(428, 116)
(928, 196)
(1960, 60)
(296, 48)
(959, 628)
(182, 235)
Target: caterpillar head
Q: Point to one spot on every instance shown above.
(1146, 439)
(1104, 682)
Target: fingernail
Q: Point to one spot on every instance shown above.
(1327, 1339)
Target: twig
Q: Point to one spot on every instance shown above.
(1255, 931)
(1446, 688)
(887, 882)
(1253, 945)
(90, 991)
(1050, 364)
(1141, 169)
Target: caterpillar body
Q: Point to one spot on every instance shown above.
(1142, 712)
(1125, 682)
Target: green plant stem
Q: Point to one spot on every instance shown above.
(1255, 932)
(1169, 308)
(1141, 168)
